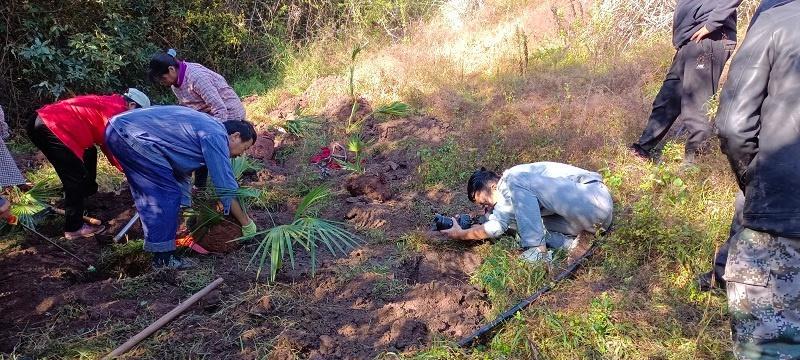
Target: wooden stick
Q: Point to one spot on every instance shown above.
(163, 320)
(87, 219)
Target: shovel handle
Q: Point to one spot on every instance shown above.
(89, 220)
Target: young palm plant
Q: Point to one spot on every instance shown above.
(203, 215)
(357, 146)
(301, 124)
(25, 205)
(306, 231)
(354, 109)
(395, 108)
(243, 164)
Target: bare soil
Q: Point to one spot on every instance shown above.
(221, 238)
(264, 147)
(373, 186)
(37, 278)
(380, 297)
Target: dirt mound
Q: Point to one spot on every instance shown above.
(378, 309)
(287, 108)
(422, 129)
(221, 238)
(36, 276)
(264, 147)
(338, 109)
(374, 187)
(33, 277)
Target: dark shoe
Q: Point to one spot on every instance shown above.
(707, 282)
(168, 260)
(637, 151)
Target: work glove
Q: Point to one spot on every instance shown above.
(249, 230)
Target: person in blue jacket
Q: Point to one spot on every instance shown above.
(158, 149)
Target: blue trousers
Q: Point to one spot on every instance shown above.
(155, 191)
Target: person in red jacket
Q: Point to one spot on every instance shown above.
(67, 132)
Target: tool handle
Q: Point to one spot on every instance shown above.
(163, 320)
(126, 227)
(89, 220)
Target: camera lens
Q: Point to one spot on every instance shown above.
(442, 222)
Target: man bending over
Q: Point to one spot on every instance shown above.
(159, 148)
(551, 205)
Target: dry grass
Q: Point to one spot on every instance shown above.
(523, 81)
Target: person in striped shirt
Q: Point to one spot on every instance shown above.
(196, 86)
(9, 173)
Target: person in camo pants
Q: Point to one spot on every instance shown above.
(759, 130)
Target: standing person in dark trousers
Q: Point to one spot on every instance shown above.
(715, 277)
(704, 34)
(759, 130)
(67, 132)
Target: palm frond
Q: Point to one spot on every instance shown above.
(243, 194)
(355, 144)
(26, 204)
(313, 197)
(307, 232)
(301, 124)
(396, 108)
(243, 164)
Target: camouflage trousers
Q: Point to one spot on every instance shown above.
(763, 275)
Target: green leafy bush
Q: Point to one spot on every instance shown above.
(62, 48)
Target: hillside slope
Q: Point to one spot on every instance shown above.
(491, 83)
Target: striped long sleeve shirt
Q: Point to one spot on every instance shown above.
(204, 90)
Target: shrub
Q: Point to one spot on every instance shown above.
(62, 48)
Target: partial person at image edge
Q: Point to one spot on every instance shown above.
(758, 122)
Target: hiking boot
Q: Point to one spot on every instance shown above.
(707, 282)
(86, 231)
(579, 247)
(639, 152)
(171, 262)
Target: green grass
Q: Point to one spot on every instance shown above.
(124, 259)
(448, 165)
(258, 83)
(19, 144)
(505, 277)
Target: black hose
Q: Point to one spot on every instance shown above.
(470, 340)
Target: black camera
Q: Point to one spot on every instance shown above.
(441, 222)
